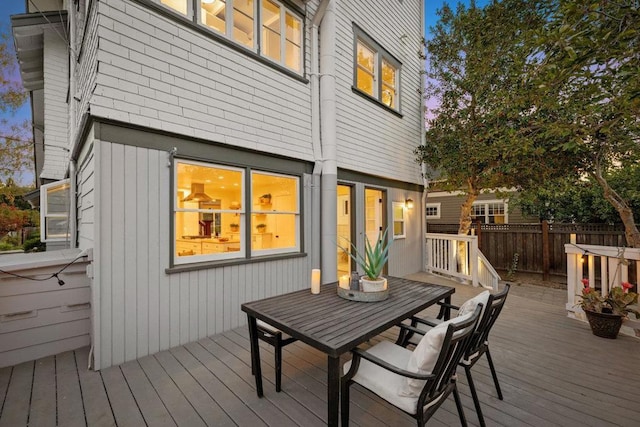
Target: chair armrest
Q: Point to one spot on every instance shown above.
(423, 321)
(389, 367)
(444, 304)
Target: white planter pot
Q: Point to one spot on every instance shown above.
(368, 285)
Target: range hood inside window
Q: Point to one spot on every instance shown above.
(197, 194)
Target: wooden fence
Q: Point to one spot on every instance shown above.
(539, 248)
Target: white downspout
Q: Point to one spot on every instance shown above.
(423, 166)
(315, 138)
(73, 215)
(329, 261)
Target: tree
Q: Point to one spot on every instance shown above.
(16, 146)
(587, 94)
(476, 61)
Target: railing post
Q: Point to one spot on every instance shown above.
(474, 261)
(545, 250)
(571, 280)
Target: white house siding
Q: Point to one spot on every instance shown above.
(42, 318)
(55, 68)
(154, 71)
(86, 69)
(140, 309)
(404, 253)
(370, 138)
(85, 182)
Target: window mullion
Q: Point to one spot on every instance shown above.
(283, 36)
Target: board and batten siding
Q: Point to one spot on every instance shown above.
(404, 255)
(372, 139)
(56, 84)
(156, 71)
(140, 309)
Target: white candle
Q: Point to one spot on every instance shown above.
(344, 281)
(315, 281)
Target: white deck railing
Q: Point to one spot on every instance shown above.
(607, 266)
(458, 256)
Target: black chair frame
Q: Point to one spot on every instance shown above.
(274, 337)
(439, 384)
(479, 342)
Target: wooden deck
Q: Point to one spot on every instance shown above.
(553, 371)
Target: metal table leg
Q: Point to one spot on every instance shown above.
(333, 390)
(256, 369)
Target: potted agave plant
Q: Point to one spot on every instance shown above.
(606, 313)
(372, 262)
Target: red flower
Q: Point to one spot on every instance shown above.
(585, 282)
(626, 286)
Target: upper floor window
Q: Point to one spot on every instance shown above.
(277, 35)
(432, 210)
(213, 221)
(376, 72)
(54, 211)
(493, 212)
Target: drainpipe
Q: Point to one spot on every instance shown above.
(329, 177)
(73, 232)
(315, 138)
(423, 166)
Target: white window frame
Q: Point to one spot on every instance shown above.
(380, 55)
(486, 204)
(296, 212)
(45, 215)
(433, 205)
(401, 208)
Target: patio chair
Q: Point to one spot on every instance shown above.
(277, 339)
(479, 342)
(417, 382)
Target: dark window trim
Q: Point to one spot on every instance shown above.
(382, 53)
(182, 268)
(248, 256)
(194, 25)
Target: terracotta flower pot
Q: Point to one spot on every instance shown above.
(605, 325)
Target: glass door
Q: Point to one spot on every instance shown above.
(345, 208)
(374, 214)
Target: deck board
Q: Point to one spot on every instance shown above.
(552, 370)
(42, 411)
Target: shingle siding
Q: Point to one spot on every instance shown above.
(156, 72)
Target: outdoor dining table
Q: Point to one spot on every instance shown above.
(335, 325)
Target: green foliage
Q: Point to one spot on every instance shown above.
(34, 245)
(617, 301)
(374, 258)
(587, 93)
(476, 61)
(581, 200)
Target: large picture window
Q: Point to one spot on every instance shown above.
(215, 218)
(376, 72)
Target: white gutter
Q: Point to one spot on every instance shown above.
(315, 138)
(329, 179)
(423, 166)
(73, 214)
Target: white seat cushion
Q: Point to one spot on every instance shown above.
(382, 382)
(468, 307)
(426, 354)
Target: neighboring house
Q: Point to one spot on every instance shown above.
(443, 207)
(208, 152)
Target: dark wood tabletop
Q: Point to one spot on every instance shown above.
(335, 325)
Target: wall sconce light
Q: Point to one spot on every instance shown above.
(408, 203)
